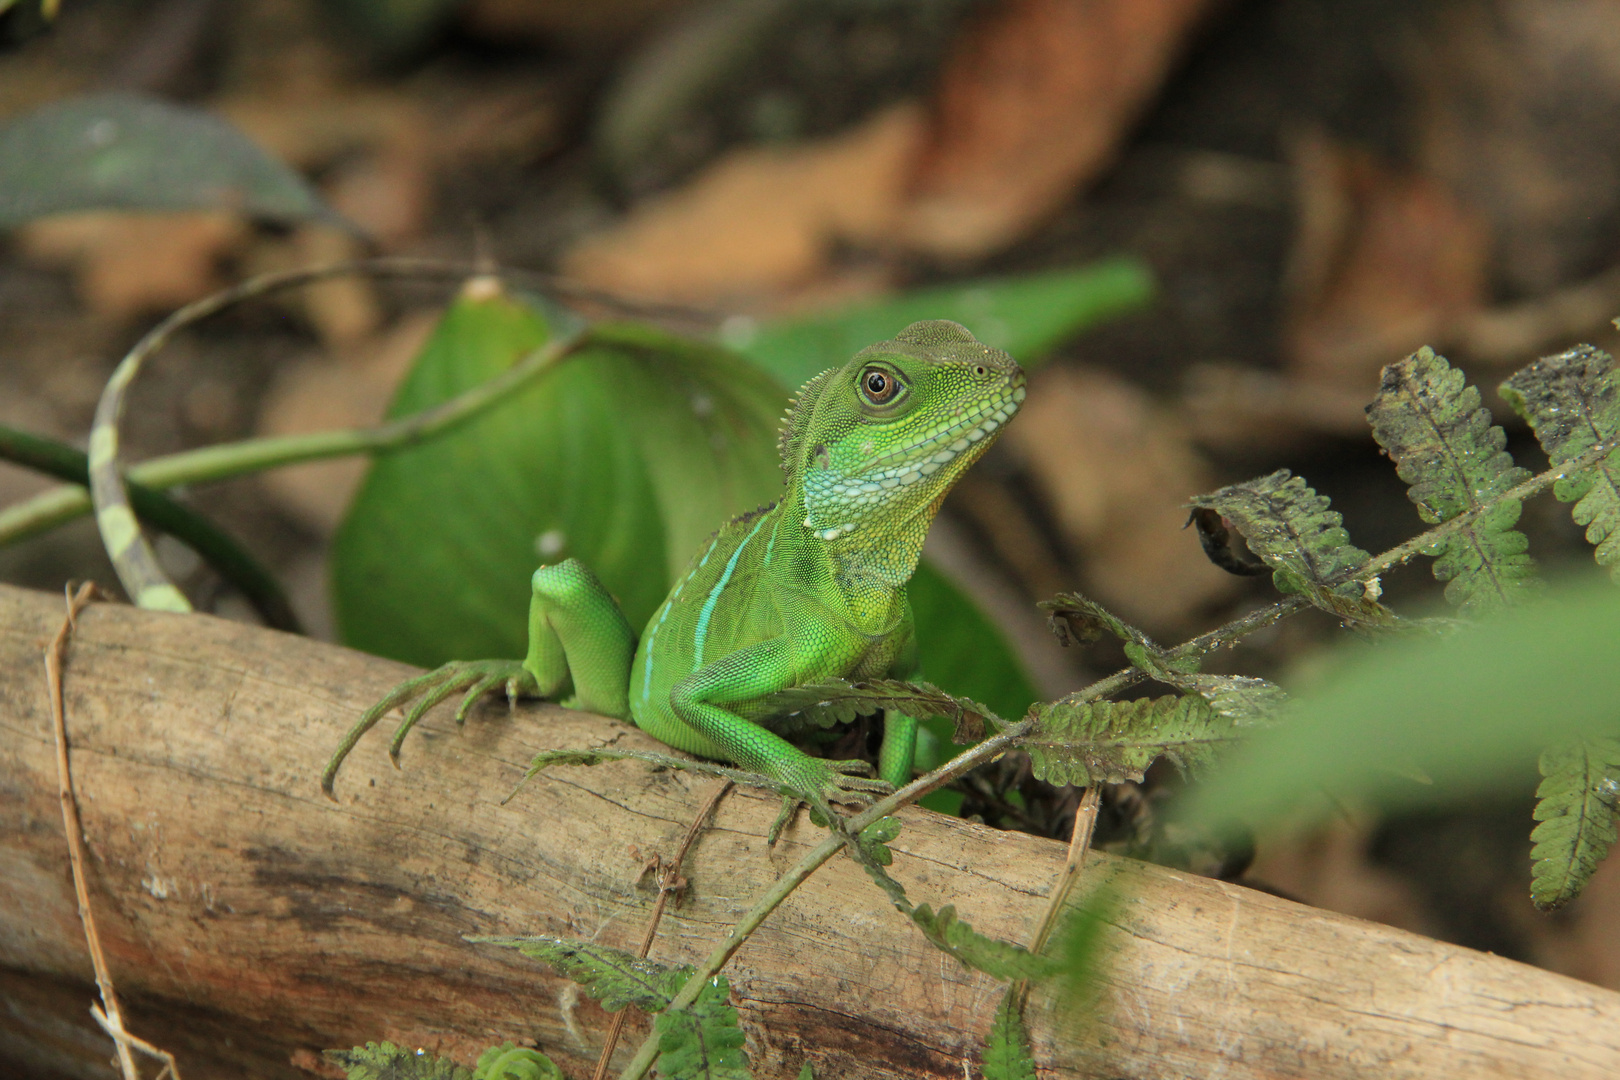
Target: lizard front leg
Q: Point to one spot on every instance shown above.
(699, 702)
(580, 648)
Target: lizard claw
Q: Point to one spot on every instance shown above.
(476, 677)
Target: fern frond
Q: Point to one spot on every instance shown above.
(1001, 959)
(611, 976)
(510, 1062)
(1576, 807)
(702, 1041)
(1572, 403)
(1289, 527)
(827, 702)
(1006, 1049)
(385, 1061)
(1109, 742)
(1431, 422)
(1073, 617)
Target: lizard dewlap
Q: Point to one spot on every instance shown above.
(809, 587)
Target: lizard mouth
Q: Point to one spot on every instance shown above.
(939, 448)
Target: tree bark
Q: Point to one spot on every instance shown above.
(250, 922)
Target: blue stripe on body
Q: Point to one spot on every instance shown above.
(647, 669)
(702, 631)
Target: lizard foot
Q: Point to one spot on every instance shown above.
(847, 783)
(476, 677)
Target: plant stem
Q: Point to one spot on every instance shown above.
(217, 547)
(226, 460)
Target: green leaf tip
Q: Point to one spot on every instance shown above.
(1006, 1049)
(1109, 742)
(1576, 806)
(1430, 421)
(994, 957)
(1291, 530)
(702, 1041)
(611, 976)
(510, 1062)
(1572, 403)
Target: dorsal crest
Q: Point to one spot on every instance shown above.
(790, 441)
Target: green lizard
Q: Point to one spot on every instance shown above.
(809, 587)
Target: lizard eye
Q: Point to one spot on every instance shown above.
(878, 386)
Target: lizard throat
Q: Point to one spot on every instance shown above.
(837, 505)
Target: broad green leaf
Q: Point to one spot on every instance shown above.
(1431, 422)
(1289, 527)
(702, 1041)
(611, 976)
(510, 1062)
(627, 455)
(122, 151)
(1576, 807)
(1469, 711)
(1025, 315)
(1572, 402)
(963, 651)
(1006, 1049)
(385, 1061)
(1109, 742)
(827, 702)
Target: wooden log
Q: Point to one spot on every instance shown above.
(250, 922)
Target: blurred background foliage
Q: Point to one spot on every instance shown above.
(1212, 222)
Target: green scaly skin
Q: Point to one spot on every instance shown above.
(809, 587)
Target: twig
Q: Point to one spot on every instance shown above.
(669, 882)
(111, 1019)
(1085, 825)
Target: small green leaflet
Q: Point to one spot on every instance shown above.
(1073, 617)
(1001, 959)
(510, 1062)
(385, 1061)
(702, 1041)
(1006, 1049)
(1576, 807)
(121, 151)
(1289, 527)
(1025, 315)
(827, 702)
(1109, 742)
(611, 976)
(807, 1073)
(1431, 422)
(1572, 402)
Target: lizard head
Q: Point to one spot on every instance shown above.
(885, 436)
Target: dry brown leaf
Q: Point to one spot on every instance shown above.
(1118, 470)
(319, 394)
(1034, 102)
(1521, 116)
(758, 220)
(130, 264)
(1383, 261)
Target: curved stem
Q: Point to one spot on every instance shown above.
(216, 547)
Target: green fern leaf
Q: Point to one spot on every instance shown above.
(1431, 422)
(807, 1073)
(385, 1061)
(1073, 617)
(702, 1041)
(611, 976)
(510, 1062)
(826, 702)
(1289, 527)
(1572, 402)
(1001, 959)
(1006, 1051)
(1576, 807)
(1109, 742)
